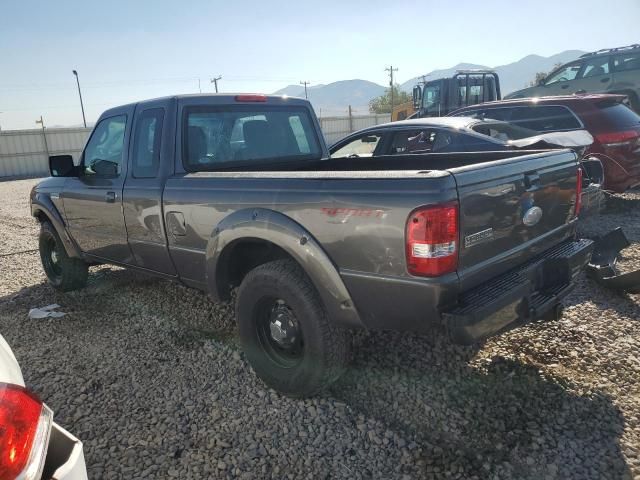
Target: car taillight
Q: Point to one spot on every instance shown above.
(619, 139)
(25, 425)
(578, 191)
(251, 98)
(432, 240)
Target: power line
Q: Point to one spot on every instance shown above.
(390, 69)
(305, 83)
(215, 81)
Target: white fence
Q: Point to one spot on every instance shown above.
(25, 153)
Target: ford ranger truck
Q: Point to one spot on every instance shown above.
(229, 193)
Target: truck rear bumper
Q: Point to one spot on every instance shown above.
(530, 292)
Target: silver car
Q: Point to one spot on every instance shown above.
(615, 70)
(32, 446)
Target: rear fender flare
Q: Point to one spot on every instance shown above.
(41, 205)
(277, 228)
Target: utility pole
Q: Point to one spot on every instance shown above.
(215, 81)
(44, 136)
(390, 69)
(1, 125)
(199, 89)
(81, 104)
(305, 83)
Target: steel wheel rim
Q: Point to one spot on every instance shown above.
(278, 332)
(51, 258)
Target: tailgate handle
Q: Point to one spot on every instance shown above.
(531, 181)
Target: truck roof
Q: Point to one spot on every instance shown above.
(224, 99)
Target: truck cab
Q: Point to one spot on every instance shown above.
(437, 98)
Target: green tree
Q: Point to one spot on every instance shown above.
(382, 104)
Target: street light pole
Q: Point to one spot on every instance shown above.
(80, 94)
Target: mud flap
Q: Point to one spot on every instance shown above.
(602, 267)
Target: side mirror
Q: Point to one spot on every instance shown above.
(62, 166)
(541, 82)
(417, 97)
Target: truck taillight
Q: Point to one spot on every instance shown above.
(432, 240)
(624, 139)
(25, 425)
(578, 191)
(251, 98)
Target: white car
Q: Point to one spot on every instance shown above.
(32, 446)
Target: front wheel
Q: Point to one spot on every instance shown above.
(285, 333)
(63, 272)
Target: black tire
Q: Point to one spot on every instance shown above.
(313, 352)
(63, 272)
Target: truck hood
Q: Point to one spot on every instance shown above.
(9, 369)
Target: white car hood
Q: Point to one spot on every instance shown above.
(574, 138)
(9, 369)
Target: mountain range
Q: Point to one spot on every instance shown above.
(334, 98)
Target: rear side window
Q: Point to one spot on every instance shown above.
(543, 118)
(232, 136)
(487, 113)
(623, 63)
(146, 143)
(617, 115)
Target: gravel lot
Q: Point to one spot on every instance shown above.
(148, 374)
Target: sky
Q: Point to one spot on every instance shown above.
(136, 49)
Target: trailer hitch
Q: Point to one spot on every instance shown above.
(602, 267)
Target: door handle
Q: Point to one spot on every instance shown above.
(110, 197)
(606, 79)
(582, 90)
(564, 87)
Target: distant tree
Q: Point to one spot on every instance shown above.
(543, 75)
(382, 104)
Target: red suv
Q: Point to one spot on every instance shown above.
(614, 127)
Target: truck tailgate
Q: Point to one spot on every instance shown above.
(512, 210)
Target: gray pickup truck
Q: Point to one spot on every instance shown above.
(223, 191)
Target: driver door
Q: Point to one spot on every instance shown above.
(93, 201)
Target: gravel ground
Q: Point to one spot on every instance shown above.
(149, 375)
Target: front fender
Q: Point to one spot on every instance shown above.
(277, 228)
(42, 205)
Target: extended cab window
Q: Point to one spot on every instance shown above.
(103, 153)
(595, 67)
(146, 143)
(363, 146)
(219, 137)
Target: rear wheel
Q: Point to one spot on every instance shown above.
(285, 333)
(63, 272)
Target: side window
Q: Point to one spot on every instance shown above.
(363, 146)
(595, 67)
(103, 153)
(146, 143)
(421, 141)
(545, 118)
(565, 74)
(623, 63)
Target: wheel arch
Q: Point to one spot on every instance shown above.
(251, 237)
(43, 210)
